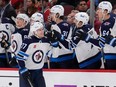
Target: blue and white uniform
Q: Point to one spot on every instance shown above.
(17, 37)
(108, 28)
(31, 56)
(87, 54)
(6, 29)
(61, 56)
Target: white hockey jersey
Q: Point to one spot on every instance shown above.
(85, 50)
(61, 53)
(6, 29)
(108, 27)
(17, 37)
(33, 52)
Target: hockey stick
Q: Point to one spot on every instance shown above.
(7, 58)
(48, 62)
(102, 52)
(28, 78)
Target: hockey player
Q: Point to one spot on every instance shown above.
(61, 57)
(91, 58)
(6, 29)
(108, 31)
(21, 32)
(36, 17)
(108, 34)
(31, 56)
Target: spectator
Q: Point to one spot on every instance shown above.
(70, 17)
(18, 5)
(7, 10)
(31, 7)
(53, 2)
(82, 6)
(114, 9)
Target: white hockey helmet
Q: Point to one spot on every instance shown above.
(24, 17)
(83, 17)
(57, 9)
(37, 17)
(35, 26)
(105, 5)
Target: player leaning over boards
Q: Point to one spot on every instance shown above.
(108, 31)
(108, 34)
(88, 55)
(61, 58)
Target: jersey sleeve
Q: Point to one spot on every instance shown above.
(21, 55)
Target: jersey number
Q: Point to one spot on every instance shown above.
(105, 33)
(23, 45)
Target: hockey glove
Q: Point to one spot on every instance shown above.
(24, 72)
(101, 41)
(82, 35)
(5, 44)
(54, 35)
(57, 35)
(111, 40)
(48, 34)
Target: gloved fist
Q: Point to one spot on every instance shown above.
(58, 36)
(82, 35)
(102, 41)
(48, 34)
(54, 35)
(5, 44)
(24, 72)
(111, 40)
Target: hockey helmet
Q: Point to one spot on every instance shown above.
(57, 9)
(83, 17)
(105, 5)
(24, 17)
(37, 17)
(35, 26)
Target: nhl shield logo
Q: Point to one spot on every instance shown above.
(37, 56)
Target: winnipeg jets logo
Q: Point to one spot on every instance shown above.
(37, 56)
(5, 35)
(14, 45)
